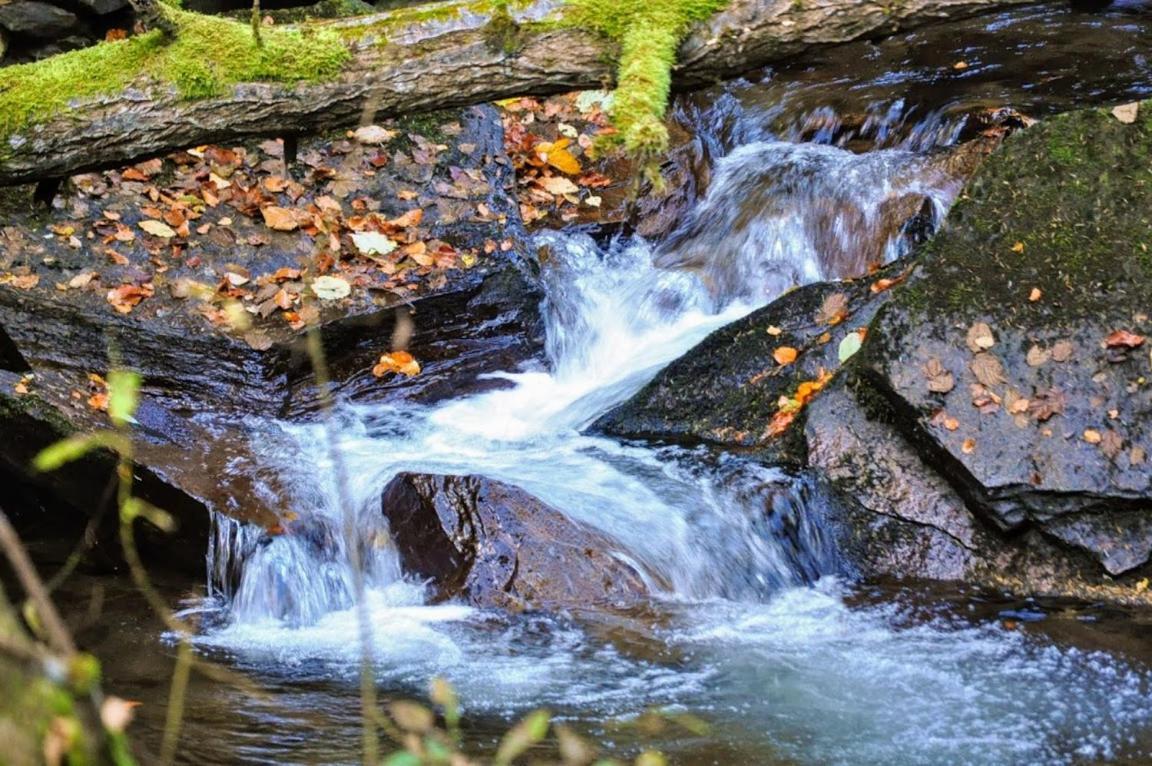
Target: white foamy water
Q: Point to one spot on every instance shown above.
(752, 627)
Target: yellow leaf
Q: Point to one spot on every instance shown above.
(562, 160)
(158, 229)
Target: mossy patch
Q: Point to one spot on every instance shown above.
(206, 56)
(649, 33)
(1064, 207)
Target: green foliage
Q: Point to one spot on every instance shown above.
(413, 726)
(206, 56)
(75, 447)
(649, 33)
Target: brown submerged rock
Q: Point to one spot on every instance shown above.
(495, 545)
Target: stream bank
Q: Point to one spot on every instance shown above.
(753, 615)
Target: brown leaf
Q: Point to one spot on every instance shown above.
(833, 310)
(968, 447)
(1062, 350)
(984, 400)
(1112, 444)
(279, 218)
(1092, 436)
(20, 282)
(1046, 403)
(980, 338)
(940, 381)
(1038, 356)
(987, 369)
(1035, 295)
(126, 297)
(1124, 339)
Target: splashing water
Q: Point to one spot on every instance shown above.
(752, 627)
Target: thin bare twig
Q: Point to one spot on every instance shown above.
(55, 631)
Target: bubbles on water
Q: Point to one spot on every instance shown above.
(829, 684)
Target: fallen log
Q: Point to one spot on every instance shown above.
(207, 80)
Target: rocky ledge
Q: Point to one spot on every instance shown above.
(992, 419)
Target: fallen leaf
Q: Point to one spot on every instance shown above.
(968, 447)
(987, 369)
(1045, 404)
(1037, 356)
(1018, 247)
(1035, 295)
(373, 134)
(1092, 436)
(1124, 339)
(951, 423)
(940, 380)
(980, 337)
(785, 355)
(1137, 456)
(126, 297)
(557, 185)
(396, 362)
(1111, 444)
(373, 243)
(279, 218)
(849, 345)
(833, 310)
(773, 330)
(1127, 113)
(1062, 351)
(331, 288)
(20, 282)
(157, 229)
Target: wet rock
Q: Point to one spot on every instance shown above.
(1015, 357)
(102, 7)
(41, 21)
(494, 545)
(897, 518)
(209, 389)
(727, 390)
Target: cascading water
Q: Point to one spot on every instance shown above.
(754, 629)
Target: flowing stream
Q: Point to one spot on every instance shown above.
(754, 624)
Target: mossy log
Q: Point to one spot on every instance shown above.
(208, 81)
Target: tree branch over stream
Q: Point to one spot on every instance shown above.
(205, 79)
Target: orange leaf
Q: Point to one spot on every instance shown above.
(398, 362)
(1125, 339)
(785, 355)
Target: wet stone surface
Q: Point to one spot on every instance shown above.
(495, 545)
(1016, 356)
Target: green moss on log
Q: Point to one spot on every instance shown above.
(206, 56)
(649, 33)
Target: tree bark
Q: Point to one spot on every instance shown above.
(429, 65)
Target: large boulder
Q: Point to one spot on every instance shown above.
(727, 390)
(41, 21)
(495, 545)
(995, 425)
(1016, 357)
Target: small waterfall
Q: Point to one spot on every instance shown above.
(776, 215)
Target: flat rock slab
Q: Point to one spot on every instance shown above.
(495, 545)
(1017, 356)
(727, 390)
